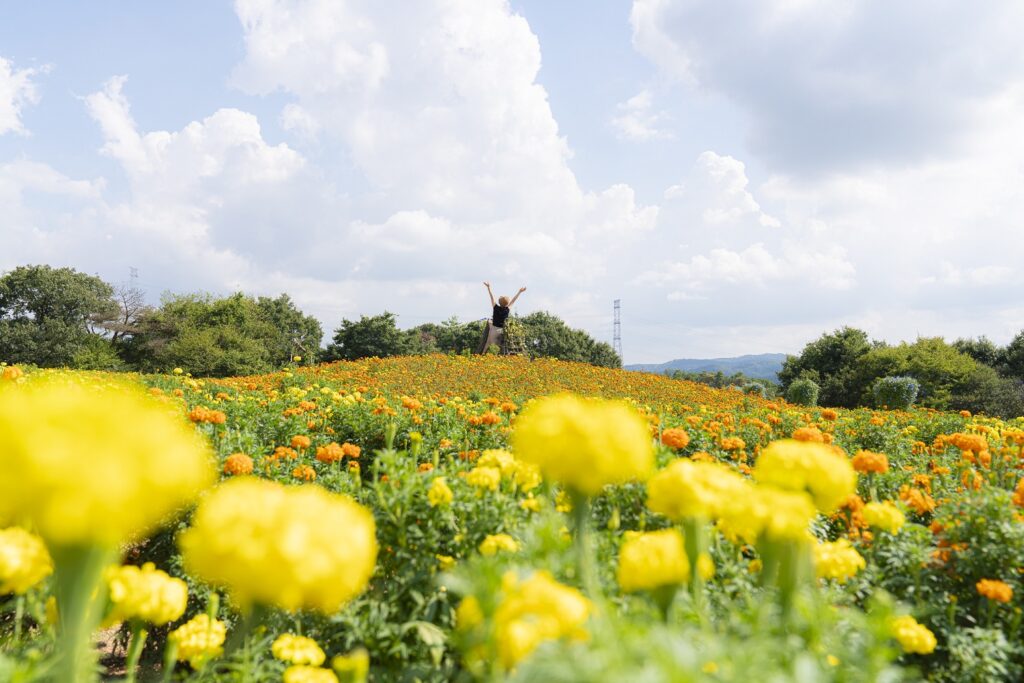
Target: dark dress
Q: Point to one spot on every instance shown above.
(500, 315)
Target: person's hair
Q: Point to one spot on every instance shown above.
(503, 301)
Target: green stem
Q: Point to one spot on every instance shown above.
(582, 542)
(170, 659)
(19, 614)
(80, 594)
(138, 640)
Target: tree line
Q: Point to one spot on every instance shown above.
(851, 370)
(59, 317)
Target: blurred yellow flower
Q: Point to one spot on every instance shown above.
(24, 561)
(885, 516)
(484, 478)
(468, 614)
(687, 489)
(912, 636)
(308, 674)
(445, 562)
(439, 493)
(297, 650)
(95, 464)
(492, 544)
(535, 610)
(584, 443)
(650, 560)
(199, 640)
(820, 469)
(353, 667)
(291, 547)
(145, 593)
(837, 560)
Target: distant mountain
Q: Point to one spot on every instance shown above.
(761, 365)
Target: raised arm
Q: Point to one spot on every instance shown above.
(490, 293)
(521, 290)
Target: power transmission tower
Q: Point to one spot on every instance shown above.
(133, 276)
(617, 331)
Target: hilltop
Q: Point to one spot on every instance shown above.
(760, 365)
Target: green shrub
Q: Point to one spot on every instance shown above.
(803, 392)
(896, 392)
(755, 388)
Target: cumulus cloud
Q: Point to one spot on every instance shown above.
(637, 121)
(17, 90)
(832, 85)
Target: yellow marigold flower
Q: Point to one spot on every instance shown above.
(526, 476)
(238, 463)
(439, 493)
(675, 438)
(705, 566)
(24, 561)
(998, 591)
(468, 614)
(96, 464)
(147, 594)
(531, 504)
(493, 543)
(650, 560)
(308, 674)
(866, 461)
(199, 640)
(912, 636)
(353, 667)
(884, 516)
(584, 444)
(838, 560)
(445, 562)
(499, 459)
(535, 610)
(821, 470)
(297, 650)
(484, 478)
(686, 489)
(768, 512)
(291, 547)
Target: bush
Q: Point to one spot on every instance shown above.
(803, 392)
(755, 388)
(898, 393)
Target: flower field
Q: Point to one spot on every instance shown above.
(437, 518)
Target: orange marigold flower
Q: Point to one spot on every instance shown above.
(829, 414)
(993, 589)
(877, 421)
(351, 450)
(965, 413)
(238, 463)
(304, 472)
(920, 501)
(12, 373)
(508, 407)
(445, 443)
(812, 434)
(205, 415)
(733, 443)
(675, 438)
(284, 453)
(490, 418)
(332, 452)
(411, 403)
(867, 461)
(300, 442)
(969, 443)
(1018, 494)
(425, 466)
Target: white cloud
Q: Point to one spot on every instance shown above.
(16, 92)
(832, 85)
(637, 122)
(719, 185)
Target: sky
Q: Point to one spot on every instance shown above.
(742, 176)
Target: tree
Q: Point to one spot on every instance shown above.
(1012, 361)
(296, 333)
(549, 336)
(376, 335)
(50, 315)
(982, 349)
(945, 374)
(831, 361)
(234, 335)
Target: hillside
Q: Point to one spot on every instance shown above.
(761, 365)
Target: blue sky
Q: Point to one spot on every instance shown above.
(742, 177)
